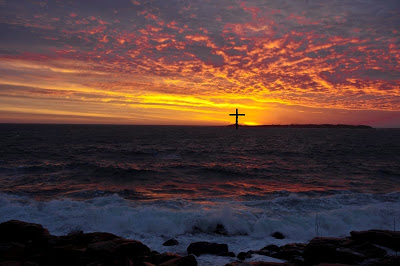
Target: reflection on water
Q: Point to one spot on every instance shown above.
(150, 163)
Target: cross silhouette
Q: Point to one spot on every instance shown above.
(237, 116)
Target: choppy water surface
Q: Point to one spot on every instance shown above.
(151, 182)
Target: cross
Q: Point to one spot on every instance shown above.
(237, 116)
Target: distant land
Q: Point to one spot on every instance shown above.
(308, 126)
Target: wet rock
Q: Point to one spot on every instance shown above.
(145, 264)
(22, 232)
(161, 258)
(257, 263)
(183, 261)
(199, 248)
(75, 232)
(227, 254)
(102, 249)
(11, 250)
(244, 255)
(83, 240)
(129, 248)
(278, 235)
(291, 252)
(132, 248)
(221, 230)
(171, 242)
(390, 239)
(271, 248)
(389, 260)
(340, 250)
(325, 250)
(11, 263)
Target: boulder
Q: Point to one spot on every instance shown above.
(11, 263)
(257, 263)
(278, 235)
(161, 258)
(171, 242)
(199, 248)
(118, 247)
(386, 238)
(11, 250)
(132, 248)
(291, 252)
(227, 254)
(221, 230)
(340, 250)
(271, 248)
(22, 232)
(244, 255)
(183, 261)
(103, 249)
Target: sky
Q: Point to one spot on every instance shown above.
(192, 62)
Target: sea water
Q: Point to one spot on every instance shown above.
(153, 183)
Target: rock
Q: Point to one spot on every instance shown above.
(11, 250)
(183, 261)
(220, 230)
(29, 263)
(390, 239)
(278, 235)
(11, 263)
(124, 247)
(271, 248)
(325, 250)
(227, 254)
(388, 260)
(171, 242)
(132, 248)
(244, 255)
(102, 249)
(83, 240)
(199, 248)
(22, 232)
(161, 258)
(146, 264)
(340, 250)
(75, 232)
(257, 263)
(290, 252)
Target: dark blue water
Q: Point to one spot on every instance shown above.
(61, 160)
(155, 182)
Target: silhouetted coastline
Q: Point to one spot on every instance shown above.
(24, 243)
(307, 126)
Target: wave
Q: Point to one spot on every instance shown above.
(249, 223)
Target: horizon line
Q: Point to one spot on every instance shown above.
(196, 125)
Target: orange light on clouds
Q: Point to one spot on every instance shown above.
(131, 63)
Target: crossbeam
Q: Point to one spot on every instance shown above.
(237, 117)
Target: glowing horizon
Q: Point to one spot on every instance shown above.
(194, 62)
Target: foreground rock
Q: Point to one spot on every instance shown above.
(278, 235)
(340, 250)
(199, 248)
(257, 263)
(30, 244)
(390, 239)
(291, 252)
(171, 242)
(362, 248)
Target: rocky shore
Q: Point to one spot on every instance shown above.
(29, 244)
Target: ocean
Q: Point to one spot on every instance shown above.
(153, 183)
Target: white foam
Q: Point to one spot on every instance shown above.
(249, 223)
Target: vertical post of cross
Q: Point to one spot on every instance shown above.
(237, 117)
